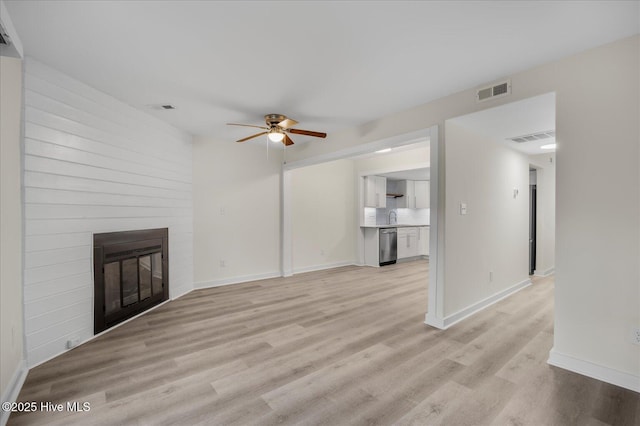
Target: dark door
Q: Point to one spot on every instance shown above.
(532, 228)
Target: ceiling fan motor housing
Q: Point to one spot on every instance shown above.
(274, 119)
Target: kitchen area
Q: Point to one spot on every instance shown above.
(395, 217)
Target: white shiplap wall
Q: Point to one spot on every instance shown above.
(92, 164)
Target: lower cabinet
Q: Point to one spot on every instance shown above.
(413, 242)
(408, 242)
(423, 240)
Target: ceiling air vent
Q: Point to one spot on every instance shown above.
(494, 91)
(534, 137)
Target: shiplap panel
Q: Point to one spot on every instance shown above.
(59, 301)
(92, 164)
(61, 152)
(48, 119)
(74, 167)
(53, 181)
(66, 226)
(59, 211)
(55, 79)
(55, 256)
(44, 328)
(44, 104)
(56, 196)
(52, 91)
(35, 243)
(59, 286)
(46, 134)
(52, 272)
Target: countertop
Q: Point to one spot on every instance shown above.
(393, 226)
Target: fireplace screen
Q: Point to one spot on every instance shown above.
(131, 276)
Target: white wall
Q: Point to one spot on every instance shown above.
(241, 182)
(92, 165)
(11, 327)
(545, 165)
(598, 209)
(598, 246)
(486, 250)
(324, 224)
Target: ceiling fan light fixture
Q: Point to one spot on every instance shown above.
(275, 136)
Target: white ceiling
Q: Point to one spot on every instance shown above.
(533, 115)
(329, 65)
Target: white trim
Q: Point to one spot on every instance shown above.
(435, 299)
(323, 267)
(365, 148)
(544, 273)
(100, 334)
(595, 371)
(434, 321)
(12, 391)
(7, 24)
(236, 280)
(476, 307)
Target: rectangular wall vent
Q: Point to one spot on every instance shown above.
(534, 136)
(494, 91)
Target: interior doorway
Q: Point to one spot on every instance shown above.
(533, 197)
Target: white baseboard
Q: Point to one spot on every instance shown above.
(236, 280)
(595, 371)
(13, 389)
(322, 267)
(434, 321)
(446, 322)
(544, 273)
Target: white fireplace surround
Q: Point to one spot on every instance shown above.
(92, 164)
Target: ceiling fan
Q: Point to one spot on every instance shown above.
(277, 128)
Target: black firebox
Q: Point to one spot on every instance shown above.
(131, 274)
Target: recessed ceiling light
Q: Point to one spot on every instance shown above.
(382, 151)
(548, 146)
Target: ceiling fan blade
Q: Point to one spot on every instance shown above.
(307, 133)
(246, 125)
(253, 136)
(287, 141)
(287, 122)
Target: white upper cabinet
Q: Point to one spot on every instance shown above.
(375, 188)
(416, 194)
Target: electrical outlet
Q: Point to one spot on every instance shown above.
(73, 342)
(636, 336)
(223, 264)
(321, 252)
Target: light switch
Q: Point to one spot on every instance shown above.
(463, 208)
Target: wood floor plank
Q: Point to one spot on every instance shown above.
(333, 347)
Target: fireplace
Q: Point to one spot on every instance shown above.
(131, 274)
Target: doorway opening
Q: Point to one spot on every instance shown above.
(533, 197)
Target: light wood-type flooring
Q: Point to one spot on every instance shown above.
(337, 347)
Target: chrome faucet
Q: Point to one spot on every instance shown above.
(395, 217)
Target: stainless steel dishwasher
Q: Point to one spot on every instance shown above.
(388, 246)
